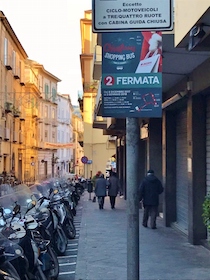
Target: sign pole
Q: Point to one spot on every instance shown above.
(132, 197)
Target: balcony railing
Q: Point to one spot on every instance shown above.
(8, 62)
(6, 134)
(17, 73)
(15, 136)
(21, 137)
(8, 107)
(90, 87)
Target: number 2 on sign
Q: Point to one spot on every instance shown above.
(109, 81)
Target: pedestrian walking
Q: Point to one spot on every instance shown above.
(100, 190)
(150, 189)
(89, 187)
(113, 188)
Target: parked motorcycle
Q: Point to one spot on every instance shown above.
(49, 219)
(42, 260)
(9, 251)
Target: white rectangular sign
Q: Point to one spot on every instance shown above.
(131, 15)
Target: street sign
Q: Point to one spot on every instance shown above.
(84, 159)
(89, 161)
(131, 84)
(120, 15)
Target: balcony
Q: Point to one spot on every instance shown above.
(80, 138)
(16, 112)
(34, 112)
(47, 121)
(6, 134)
(21, 137)
(54, 123)
(1, 131)
(31, 78)
(97, 63)
(40, 120)
(8, 107)
(22, 115)
(90, 87)
(8, 62)
(17, 73)
(22, 81)
(15, 136)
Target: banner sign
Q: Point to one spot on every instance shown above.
(59, 145)
(131, 83)
(121, 15)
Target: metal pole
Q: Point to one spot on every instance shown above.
(132, 152)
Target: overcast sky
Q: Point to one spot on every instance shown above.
(49, 31)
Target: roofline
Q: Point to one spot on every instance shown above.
(9, 29)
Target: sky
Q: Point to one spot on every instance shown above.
(49, 31)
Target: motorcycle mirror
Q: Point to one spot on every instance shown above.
(55, 191)
(16, 209)
(1, 211)
(31, 205)
(51, 190)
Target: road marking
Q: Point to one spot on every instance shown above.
(71, 250)
(68, 272)
(72, 244)
(63, 264)
(63, 257)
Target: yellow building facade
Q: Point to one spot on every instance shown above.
(97, 147)
(12, 91)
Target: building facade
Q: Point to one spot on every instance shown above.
(64, 155)
(78, 137)
(97, 146)
(41, 123)
(12, 90)
(177, 145)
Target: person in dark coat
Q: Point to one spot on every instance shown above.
(150, 189)
(113, 188)
(100, 190)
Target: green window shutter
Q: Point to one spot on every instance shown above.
(46, 91)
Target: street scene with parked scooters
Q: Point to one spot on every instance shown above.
(38, 229)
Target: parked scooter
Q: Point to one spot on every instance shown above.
(42, 260)
(9, 251)
(50, 220)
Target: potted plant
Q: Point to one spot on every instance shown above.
(206, 212)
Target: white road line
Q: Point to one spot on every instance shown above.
(71, 250)
(65, 257)
(72, 244)
(64, 264)
(65, 273)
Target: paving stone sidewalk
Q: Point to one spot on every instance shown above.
(165, 253)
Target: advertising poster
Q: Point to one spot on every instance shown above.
(132, 74)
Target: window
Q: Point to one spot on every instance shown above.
(53, 113)
(45, 133)
(46, 91)
(14, 61)
(54, 94)
(53, 134)
(5, 51)
(45, 111)
(58, 136)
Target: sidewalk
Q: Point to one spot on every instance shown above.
(165, 253)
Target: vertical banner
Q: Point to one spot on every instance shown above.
(132, 74)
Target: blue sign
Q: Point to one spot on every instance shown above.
(84, 159)
(89, 161)
(131, 83)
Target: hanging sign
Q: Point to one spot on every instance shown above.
(121, 15)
